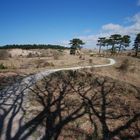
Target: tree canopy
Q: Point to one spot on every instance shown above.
(137, 44)
(116, 41)
(75, 43)
(101, 42)
(34, 46)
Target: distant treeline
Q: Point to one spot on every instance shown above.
(34, 46)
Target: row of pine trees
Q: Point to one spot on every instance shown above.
(116, 41)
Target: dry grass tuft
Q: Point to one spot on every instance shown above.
(124, 66)
(4, 54)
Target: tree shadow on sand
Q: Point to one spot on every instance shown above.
(63, 97)
(57, 109)
(113, 107)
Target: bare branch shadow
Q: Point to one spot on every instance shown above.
(57, 108)
(54, 103)
(111, 111)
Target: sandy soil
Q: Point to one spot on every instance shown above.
(130, 74)
(51, 59)
(20, 52)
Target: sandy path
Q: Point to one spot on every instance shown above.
(40, 75)
(13, 99)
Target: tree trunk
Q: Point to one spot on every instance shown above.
(120, 48)
(106, 134)
(100, 49)
(51, 134)
(136, 52)
(113, 49)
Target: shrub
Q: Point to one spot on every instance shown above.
(45, 64)
(72, 51)
(60, 50)
(30, 55)
(56, 55)
(4, 54)
(124, 65)
(41, 63)
(80, 57)
(90, 61)
(92, 54)
(129, 54)
(2, 66)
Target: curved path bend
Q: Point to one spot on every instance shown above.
(13, 100)
(40, 75)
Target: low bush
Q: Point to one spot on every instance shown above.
(41, 63)
(124, 65)
(4, 54)
(56, 54)
(30, 55)
(2, 66)
(90, 61)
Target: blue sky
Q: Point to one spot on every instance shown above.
(58, 21)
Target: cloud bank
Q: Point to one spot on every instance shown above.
(111, 28)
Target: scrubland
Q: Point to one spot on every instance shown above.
(97, 103)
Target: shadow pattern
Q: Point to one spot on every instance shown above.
(58, 100)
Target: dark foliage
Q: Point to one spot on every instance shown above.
(137, 44)
(34, 46)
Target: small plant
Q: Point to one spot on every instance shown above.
(2, 66)
(4, 54)
(56, 55)
(90, 61)
(124, 66)
(60, 50)
(30, 55)
(80, 57)
(41, 64)
(91, 54)
(129, 54)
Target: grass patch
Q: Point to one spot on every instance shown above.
(2, 67)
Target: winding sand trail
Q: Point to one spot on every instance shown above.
(40, 75)
(13, 99)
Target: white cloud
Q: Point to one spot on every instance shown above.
(111, 28)
(91, 40)
(134, 28)
(131, 29)
(135, 18)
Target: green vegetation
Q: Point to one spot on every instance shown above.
(124, 66)
(137, 44)
(75, 44)
(34, 46)
(2, 66)
(116, 41)
(4, 54)
(101, 42)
